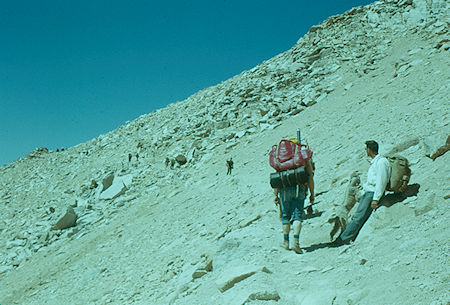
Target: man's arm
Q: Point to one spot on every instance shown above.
(277, 199)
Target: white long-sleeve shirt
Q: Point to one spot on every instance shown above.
(378, 176)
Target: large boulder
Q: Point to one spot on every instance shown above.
(107, 181)
(118, 187)
(67, 221)
(436, 145)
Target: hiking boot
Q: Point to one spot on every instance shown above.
(297, 249)
(286, 244)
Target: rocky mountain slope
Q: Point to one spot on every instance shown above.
(147, 233)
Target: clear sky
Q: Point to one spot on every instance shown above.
(72, 70)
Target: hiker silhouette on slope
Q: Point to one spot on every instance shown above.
(229, 166)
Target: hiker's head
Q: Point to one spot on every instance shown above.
(371, 148)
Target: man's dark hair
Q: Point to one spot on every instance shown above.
(372, 145)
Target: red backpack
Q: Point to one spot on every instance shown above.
(287, 155)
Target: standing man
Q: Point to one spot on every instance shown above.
(229, 166)
(292, 201)
(377, 180)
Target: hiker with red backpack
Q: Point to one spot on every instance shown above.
(295, 173)
(378, 178)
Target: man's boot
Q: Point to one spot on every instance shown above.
(297, 245)
(286, 241)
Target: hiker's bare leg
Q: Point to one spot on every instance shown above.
(297, 226)
(286, 230)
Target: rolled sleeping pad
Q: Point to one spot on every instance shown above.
(290, 177)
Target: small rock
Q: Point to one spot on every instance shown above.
(222, 124)
(198, 273)
(235, 275)
(181, 160)
(67, 221)
(310, 103)
(264, 296)
(363, 261)
(329, 268)
(308, 269)
(422, 210)
(73, 232)
(209, 264)
(264, 269)
(296, 111)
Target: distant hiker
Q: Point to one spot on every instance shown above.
(172, 163)
(229, 166)
(377, 180)
(167, 161)
(295, 173)
(57, 150)
(137, 157)
(129, 157)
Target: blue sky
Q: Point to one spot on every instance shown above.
(72, 70)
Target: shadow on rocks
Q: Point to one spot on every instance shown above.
(391, 199)
(319, 246)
